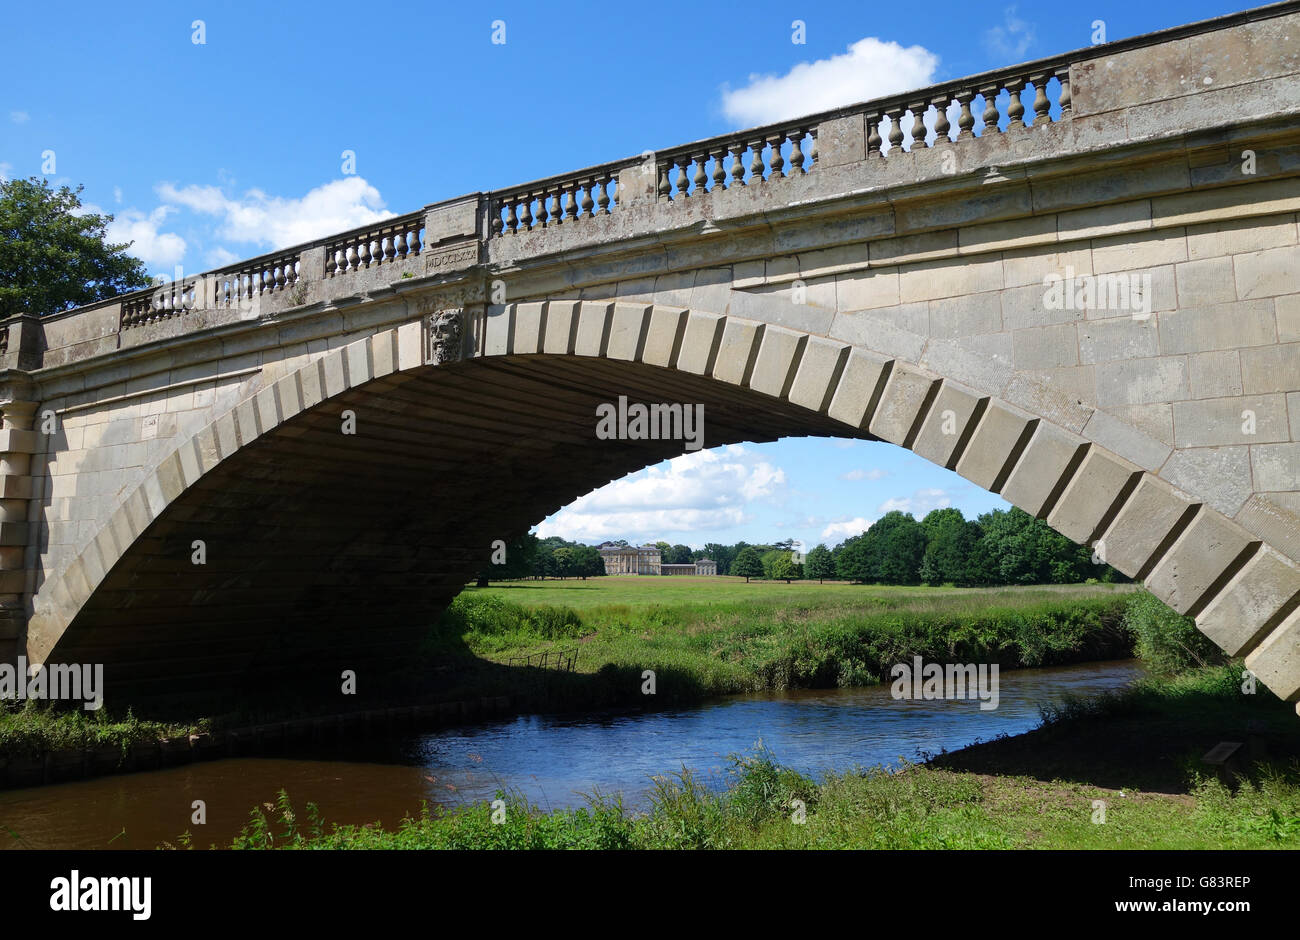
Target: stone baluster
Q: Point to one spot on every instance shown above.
(363, 252)
(526, 212)
(556, 196)
(895, 115)
(415, 245)
(776, 162)
(1042, 107)
(497, 225)
(701, 177)
(512, 220)
(663, 187)
(737, 164)
(602, 201)
(352, 261)
(683, 175)
(919, 129)
(796, 152)
(965, 120)
(542, 212)
(571, 200)
(719, 170)
(756, 168)
(588, 204)
(941, 125)
(1063, 76)
(990, 116)
(1016, 108)
(812, 156)
(874, 141)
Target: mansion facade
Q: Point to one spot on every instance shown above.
(646, 559)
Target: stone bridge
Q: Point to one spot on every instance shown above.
(1075, 282)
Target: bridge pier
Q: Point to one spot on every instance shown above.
(17, 444)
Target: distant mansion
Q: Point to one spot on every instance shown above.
(645, 559)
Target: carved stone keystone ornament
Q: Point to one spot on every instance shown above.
(442, 330)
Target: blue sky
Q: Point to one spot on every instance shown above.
(214, 151)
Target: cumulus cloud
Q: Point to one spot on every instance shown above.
(19, 117)
(157, 249)
(839, 531)
(5, 170)
(275, 221)
(1010, 41)
(919, 503)
(871, 68)
(874, 474)
(705, 490)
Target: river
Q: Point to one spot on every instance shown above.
(552, 759)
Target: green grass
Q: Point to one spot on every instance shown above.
(711, 636)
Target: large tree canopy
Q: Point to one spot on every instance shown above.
(53, 256)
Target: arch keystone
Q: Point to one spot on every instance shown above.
(527, 336)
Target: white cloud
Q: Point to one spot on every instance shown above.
(5, 170)
(705, 490)
(117, 194)
(919, 503)
(220, 257)
(19, 117)
(860, 474)
(839, 531)
(275, 221)
(1010, 41)
(155, 248)
(871, 68)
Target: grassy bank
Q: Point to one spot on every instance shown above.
(702, 638)
(729, 637)
(949, 803)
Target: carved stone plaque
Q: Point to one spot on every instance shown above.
(454, 258)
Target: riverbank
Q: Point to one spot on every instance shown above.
(701, 640)
(1070, 788)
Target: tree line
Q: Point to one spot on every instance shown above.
(998, 548)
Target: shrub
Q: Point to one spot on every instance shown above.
(1167, 642)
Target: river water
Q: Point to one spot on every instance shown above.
(552, 759)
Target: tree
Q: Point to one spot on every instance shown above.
(820, 564)
(950, 548)
(679, 555)
(587, 562)
(747, 565)
(783, 568)
(54, 257)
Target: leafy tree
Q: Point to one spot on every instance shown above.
(783, 568)
(950, 548)
(587, 562)
(52, 256)
(679, 555)
(820, 564)
(564, 562)
(851, 560)
(747, 565)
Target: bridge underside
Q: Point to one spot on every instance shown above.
(328, 551)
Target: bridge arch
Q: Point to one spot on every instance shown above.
(323, 548)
